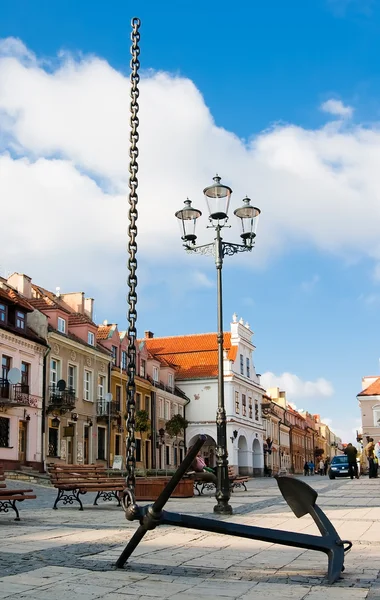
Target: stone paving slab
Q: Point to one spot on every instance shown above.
(55, 554)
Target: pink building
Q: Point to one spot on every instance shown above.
(23, 349)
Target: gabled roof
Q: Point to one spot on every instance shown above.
(106, 331)
(196, 356)
(45, 300)
(10, 295)
(372, 390)
(76, 318)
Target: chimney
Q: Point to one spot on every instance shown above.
(149, 334)
(89, 307)
(22, 283)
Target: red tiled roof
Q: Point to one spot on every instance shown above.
(45, 300)
(372, 390)
(7, 293)
(195, 355)
(80, 319)
(103, 332)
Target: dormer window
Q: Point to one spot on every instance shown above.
(61, 325)
(114, 355)
(91, 338)
(170, 380)
(20, 320)
(3, 313)
(155, 373)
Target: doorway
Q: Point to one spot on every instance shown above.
(86, 445)
(22, 441)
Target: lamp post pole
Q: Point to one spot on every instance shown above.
(218, 197)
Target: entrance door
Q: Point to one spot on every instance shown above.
(86, 444)
(22, 439)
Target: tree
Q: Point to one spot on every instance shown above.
(175, 426)
(142, 425)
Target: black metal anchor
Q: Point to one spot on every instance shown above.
(300, 497)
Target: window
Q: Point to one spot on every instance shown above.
(124, 360)
(167, 455)
(3, 313)
(138, 401)
(155, 374)
(161, 408)
(53, 439)
(25, 376)
(72, 377)
(175, 457)
(171, 380)
(61, 325)
(180, 411)
(237, 403)
(101, 386)
(256, 411)
(147, 404)
(90, 338)
(54, 372)
(250, 407)
(248, 363)
(167, 410)
(87, 385)
(241, 364)
(118, 398)
(142, 368)
(175, 409)
(4, 432)
(20, 320)
(114, 355)
(138, 450)
(376, 415)
(101, 443)
(244, 405)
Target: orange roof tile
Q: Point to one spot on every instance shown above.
(196, 356)
(14, 297)
(80, 319)
(372, 390)
(104, 332)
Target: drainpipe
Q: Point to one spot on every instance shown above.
(44, 417)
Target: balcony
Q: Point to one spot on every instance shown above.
(16, 395)
(107, 409)
(168, 388)
(62, 401)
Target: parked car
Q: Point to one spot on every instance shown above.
(338, 467)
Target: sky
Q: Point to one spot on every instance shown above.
(280, 99)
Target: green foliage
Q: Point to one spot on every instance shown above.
(142, 421)
(176, 425)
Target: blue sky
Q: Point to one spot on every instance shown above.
(259, 74)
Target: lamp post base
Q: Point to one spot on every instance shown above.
(223, 508)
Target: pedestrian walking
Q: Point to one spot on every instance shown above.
(369, 451)
(351, 453)
(306, 470)
(326, 466)
(311, 467)
(321, 467)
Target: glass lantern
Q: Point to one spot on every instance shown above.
(187, 217)
(248, 216)
(218, 199)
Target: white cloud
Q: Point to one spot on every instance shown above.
(202, 280)
(309, 285)
(336, 107)
(295, 387)
(64, 134)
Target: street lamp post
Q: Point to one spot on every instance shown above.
(218, 197)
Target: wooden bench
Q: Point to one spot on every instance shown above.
(9, 497)
(71, 481)
(207, 481)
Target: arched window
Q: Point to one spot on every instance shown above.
(376, 415)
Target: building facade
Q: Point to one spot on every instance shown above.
(369, 404)
(23, 349)
(196, 361)
(76, 376)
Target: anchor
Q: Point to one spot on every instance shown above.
(300, 497)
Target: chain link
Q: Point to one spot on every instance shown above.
(132, 251)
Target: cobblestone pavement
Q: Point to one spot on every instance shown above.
(50, 554)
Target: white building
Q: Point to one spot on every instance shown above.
(196, 357)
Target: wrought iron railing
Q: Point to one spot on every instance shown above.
(168, 388)
(105, 409)
(61, 400)
(17, 395)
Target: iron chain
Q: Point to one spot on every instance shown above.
(132, 251)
